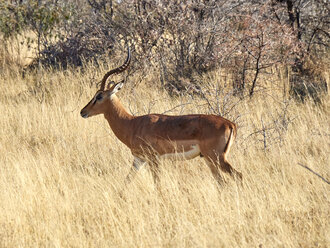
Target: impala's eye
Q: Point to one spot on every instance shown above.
(98, 97)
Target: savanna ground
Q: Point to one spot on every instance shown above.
(60, 174)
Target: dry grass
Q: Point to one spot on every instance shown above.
(60, 174)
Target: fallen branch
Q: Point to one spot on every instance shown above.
(325, 180)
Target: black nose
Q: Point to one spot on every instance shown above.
(83, 114)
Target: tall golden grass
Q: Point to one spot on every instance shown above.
(60, 174)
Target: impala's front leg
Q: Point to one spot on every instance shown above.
(137, 164)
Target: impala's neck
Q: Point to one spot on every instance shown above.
(119, 120)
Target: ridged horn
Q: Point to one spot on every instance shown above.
(119, 69)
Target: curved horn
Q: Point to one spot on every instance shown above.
(119, 69)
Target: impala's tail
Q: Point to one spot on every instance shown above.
(230, 139)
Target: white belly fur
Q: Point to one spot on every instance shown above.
(192, 153)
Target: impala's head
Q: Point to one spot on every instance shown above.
(98, 104)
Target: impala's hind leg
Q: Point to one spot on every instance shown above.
(216, 150)
(214, 167)
(218, 162)
(226, 167)
(154, 168)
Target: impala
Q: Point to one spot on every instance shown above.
(155, 135)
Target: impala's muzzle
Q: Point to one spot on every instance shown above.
(83, 114)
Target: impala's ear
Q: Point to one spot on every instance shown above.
(114, 89)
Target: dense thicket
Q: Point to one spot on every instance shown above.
(182, 39)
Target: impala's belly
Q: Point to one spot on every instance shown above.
(186, 152)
